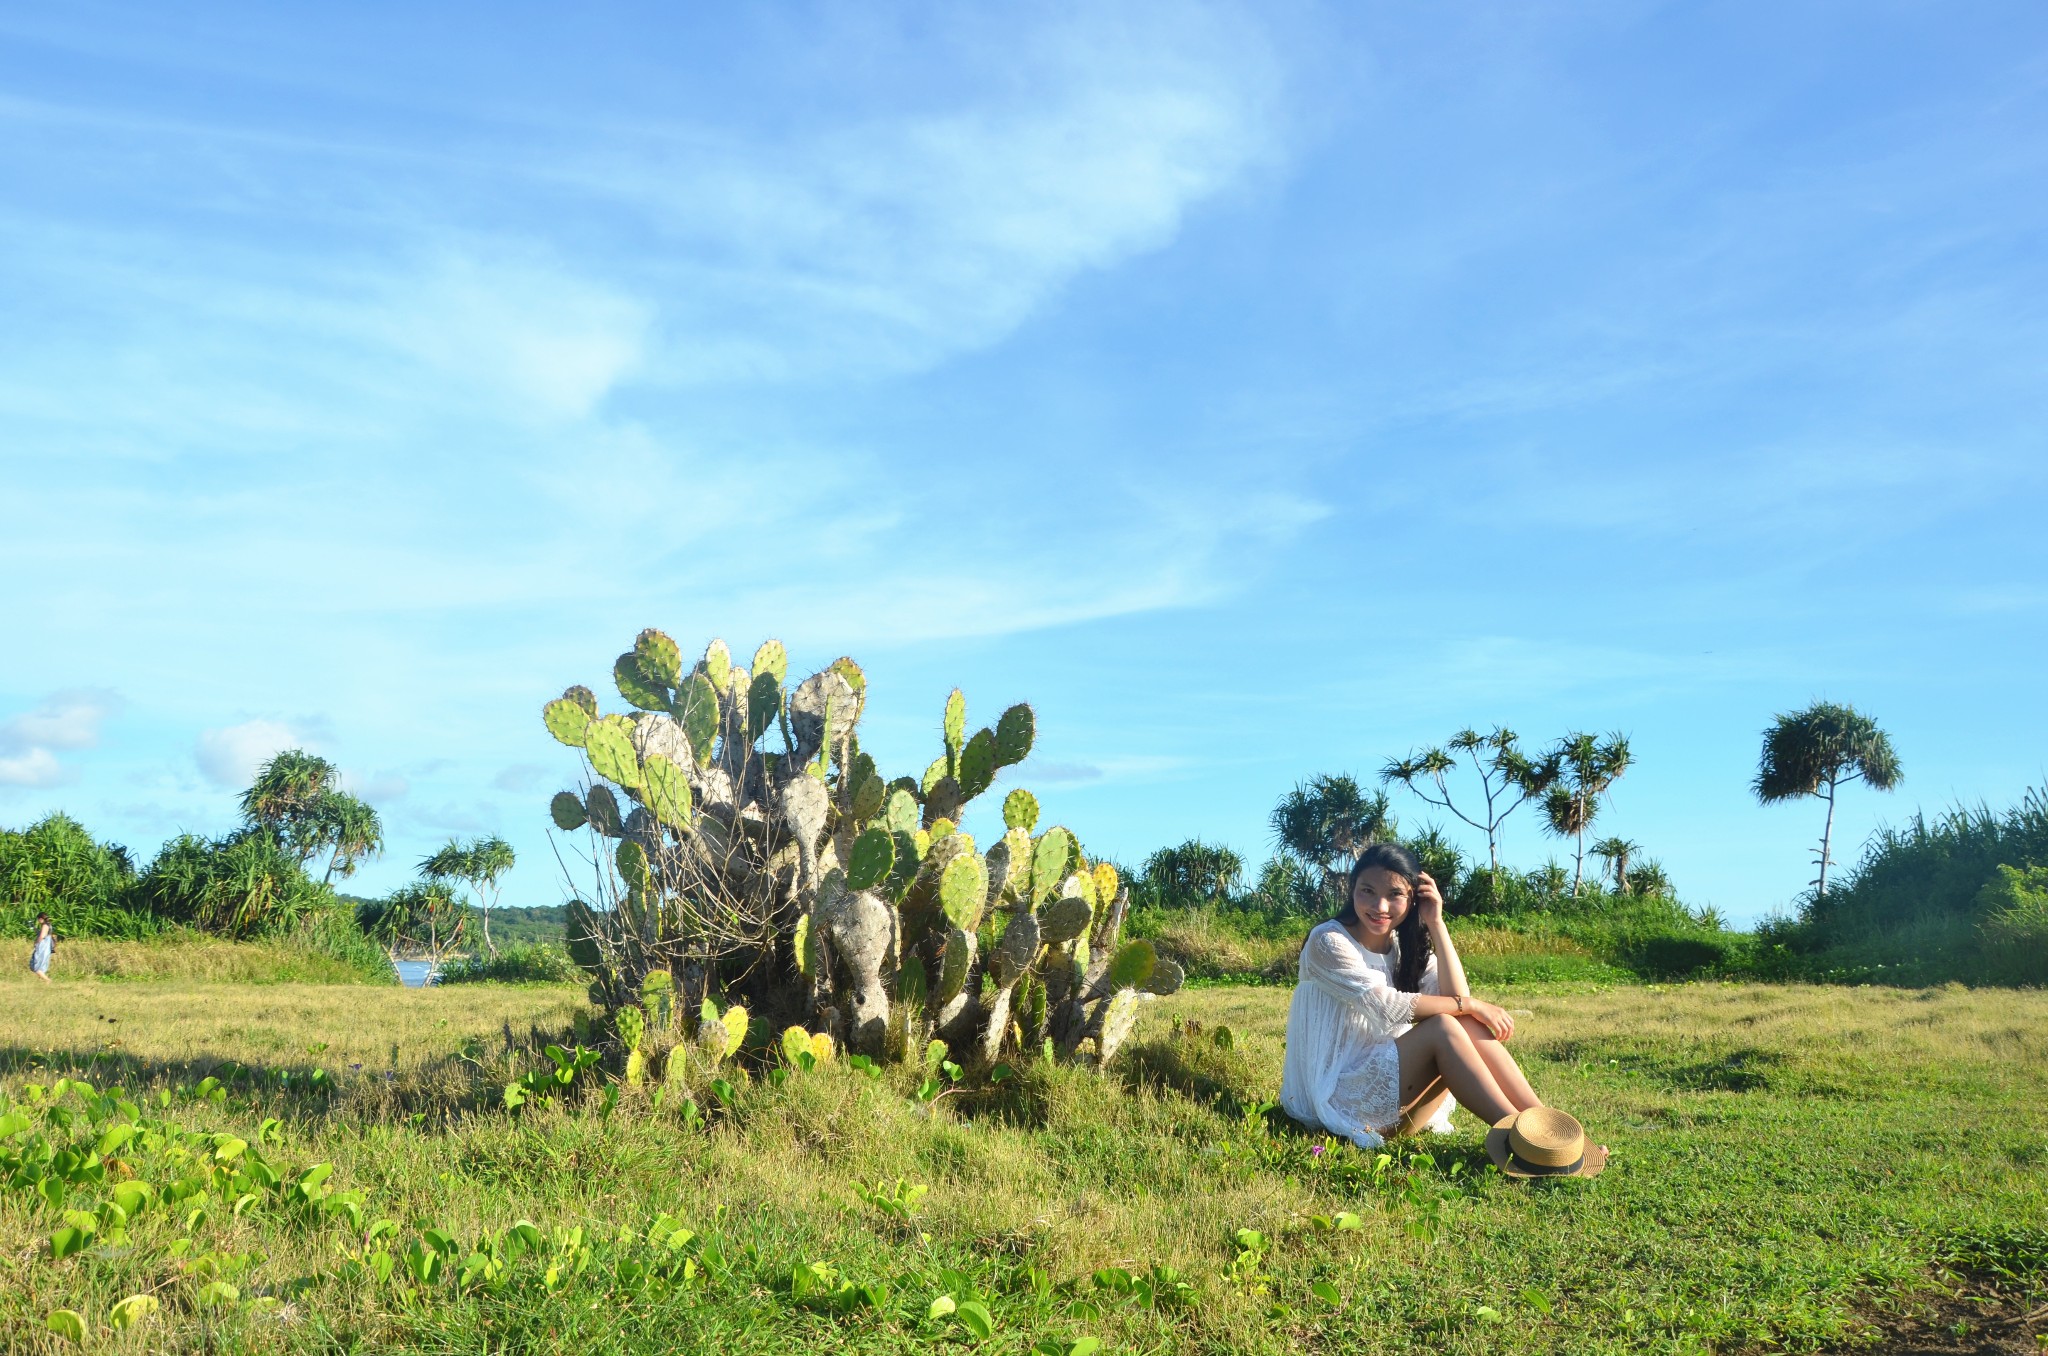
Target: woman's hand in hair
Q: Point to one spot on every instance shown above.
(1429, 901)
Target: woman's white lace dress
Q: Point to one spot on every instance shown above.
(1343, 1072)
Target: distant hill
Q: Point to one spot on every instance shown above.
(543, 924)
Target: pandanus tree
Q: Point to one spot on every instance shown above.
(480, 864)
(1507, 778)
(1325, 822)
(1587, 768)
(1814, 752)
(1617, 853)
(744, 846)
(296, 798)
(426, 916)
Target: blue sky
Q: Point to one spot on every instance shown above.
(1260, 390)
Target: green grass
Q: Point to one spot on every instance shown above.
(1791, 1165)
(181, 955)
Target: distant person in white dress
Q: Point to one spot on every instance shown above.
(1383, 1030)
(46, 942)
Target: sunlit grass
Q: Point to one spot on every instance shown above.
(1783, 1157)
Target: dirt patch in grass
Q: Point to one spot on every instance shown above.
(1969, 1322)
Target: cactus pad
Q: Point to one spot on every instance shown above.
(796, 1043)
(1050, 858)
(872, 859)
(696, 706)
(635, 686)
(603, 808)
(632, 1027)
(869, 793)
(1166, 978)
(963, 890)
(567, 812)
(1064, 919)
(609, 742)
(800, 948)
(978, 764)
(735, 1023)
(764, 703)
(658, 658)
(1106, 884)
(566, 720)
(933, 775)
(584, 698)
(804, 808)
(632, 860)
(944, 801)
(1132, 966)
(717, 665)
(953, 964)
(1015, 733)
(773, 659)
(1014, 954)
(909, 858)
(855, 678)
(900, 813)
(1119, 1018)
(955, 725)
(1020, 810)
(667, 789)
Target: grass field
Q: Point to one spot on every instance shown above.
(1793, 1167)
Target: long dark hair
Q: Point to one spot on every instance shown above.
(1411, 940)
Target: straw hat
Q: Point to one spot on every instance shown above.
(1543, 1142)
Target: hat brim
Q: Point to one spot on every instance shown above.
(1594, 1162)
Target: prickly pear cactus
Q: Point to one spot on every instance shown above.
(743, 845)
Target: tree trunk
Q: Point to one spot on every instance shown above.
(1579, 865)
(488, 947)
(1827, 835)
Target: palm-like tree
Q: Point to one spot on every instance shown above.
(286, 799)
(1587, 768)
(1327, 821)
(1617, 853)
(1813, 752)
(480, 864)
(1507, 777)
(354, 830)
(425, 915)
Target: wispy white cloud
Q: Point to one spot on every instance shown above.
(31, 768)
(230, 756)
(65, 722)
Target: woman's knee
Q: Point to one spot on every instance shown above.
(1442, 1027)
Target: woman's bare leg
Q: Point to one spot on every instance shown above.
(1505, 1071)
(1438, 1048)
(1423, 1109)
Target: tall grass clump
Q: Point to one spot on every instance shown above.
(1955, 897)
(54, 866)
(517, 963)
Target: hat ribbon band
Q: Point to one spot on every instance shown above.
(1524, 1166)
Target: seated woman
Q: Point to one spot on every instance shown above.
(1383, 1029)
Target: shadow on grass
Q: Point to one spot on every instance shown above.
(462, 1083)
(1748, 1069)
